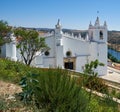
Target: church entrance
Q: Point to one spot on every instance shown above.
(70, 63)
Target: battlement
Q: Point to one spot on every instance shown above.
(69, 35)
(78, 37)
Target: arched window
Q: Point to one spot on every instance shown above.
(101, 35)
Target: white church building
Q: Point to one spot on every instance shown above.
(68, 51)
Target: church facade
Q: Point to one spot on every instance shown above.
(68, 51)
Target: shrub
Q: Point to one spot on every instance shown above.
(12, 71)
(113, 92)
(90, 78)
(94, 106)
(118, 95)
(3, 104)
(102, 105)
(57, 93)
(97, 84)
(29, 87)
(108, 102)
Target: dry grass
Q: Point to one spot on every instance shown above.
(8, 102)
(9, 88)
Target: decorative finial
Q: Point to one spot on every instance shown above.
(58, 23)
(105, 24)
(97, 22)
(97, 12)
(90, 24)
(97, 19)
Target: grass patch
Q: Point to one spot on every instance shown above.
(49, 90)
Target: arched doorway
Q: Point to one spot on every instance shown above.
(70, 63)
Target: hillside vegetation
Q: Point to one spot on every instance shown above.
(114, 37)
(50, 90)
(114, 40)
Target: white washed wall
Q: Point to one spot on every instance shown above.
(59, 56)
(103, 59)
(77, 47)
(80, 63)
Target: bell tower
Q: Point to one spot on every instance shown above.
(98, 44)
(98, 32)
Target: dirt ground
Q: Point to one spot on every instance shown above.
(9, 88)
(8, 102)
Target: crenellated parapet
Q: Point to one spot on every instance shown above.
(78, 37)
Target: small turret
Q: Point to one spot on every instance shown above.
(58, 25)
(97, 23)
(90, 24)
(105, 24)
(58, 28)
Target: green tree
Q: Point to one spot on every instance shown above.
(29, 44)
(4, 30)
